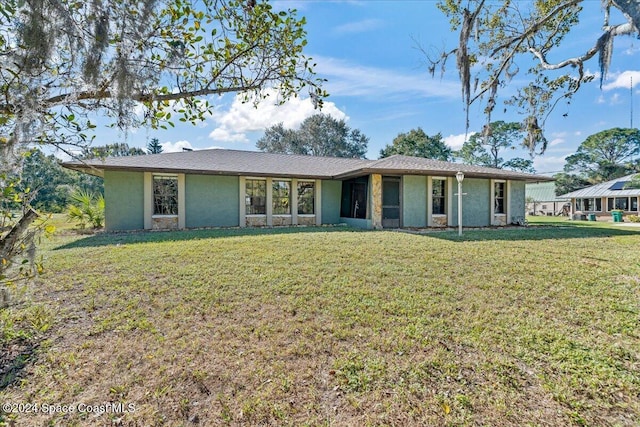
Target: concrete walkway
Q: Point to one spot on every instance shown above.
(628, 224)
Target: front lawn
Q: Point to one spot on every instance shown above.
(331, 326)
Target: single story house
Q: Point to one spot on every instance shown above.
(542, 200)
(231, 188)
(602, 198)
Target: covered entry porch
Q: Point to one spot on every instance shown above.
(379, 201)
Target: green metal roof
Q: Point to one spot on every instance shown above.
(542, 192)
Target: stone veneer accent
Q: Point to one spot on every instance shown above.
(376, 201)
(307, 220)
(256, 221)
(439, 221)
(164, 223)
(499, 220)
(281, 220)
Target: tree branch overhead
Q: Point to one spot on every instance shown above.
(497, 39)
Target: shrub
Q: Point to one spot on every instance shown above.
(86, 208)
(632, 218)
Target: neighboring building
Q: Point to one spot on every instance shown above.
(542, 200)
(230, 188)
(602, 198)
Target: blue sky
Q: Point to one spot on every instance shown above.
(378, 82)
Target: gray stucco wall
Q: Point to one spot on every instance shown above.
(212, 201)
(414, 201)
(517, 202)
(476, 209)
(124, 200)
(331, 197)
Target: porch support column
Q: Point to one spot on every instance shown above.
(148, 200)
(318, 201)
(376, 201)
(182, 214)
(430, 201)
(293, 196)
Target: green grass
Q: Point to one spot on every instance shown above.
(331, 326)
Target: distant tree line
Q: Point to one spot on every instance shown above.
(49, 187)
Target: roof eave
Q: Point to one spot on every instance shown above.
(436, 172)
(84, 168)
(88, 168)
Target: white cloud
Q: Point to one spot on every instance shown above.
(174, 147)
(227, 135)
(358, 26)
(348, 79)
(632, 50)
(545, 164)
(240, 118)
(556, 141)
(455, 141)
(614, 99)
(622, 80)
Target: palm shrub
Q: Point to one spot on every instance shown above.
(86, 208)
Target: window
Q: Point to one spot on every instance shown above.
(498, 193)
(281, 197)
(438, 197)
(306, 197)
(594, 205)
(619, 203)
(165, 195)
(256, 196)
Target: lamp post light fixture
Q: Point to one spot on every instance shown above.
(460, 178)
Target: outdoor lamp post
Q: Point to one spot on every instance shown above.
(460, 178)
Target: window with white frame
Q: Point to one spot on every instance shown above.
(256, 196)
(623, 203)
(589, 204)
(438, 196)
(281, 197)
(165, 195)
(499, 197)
(306, 197)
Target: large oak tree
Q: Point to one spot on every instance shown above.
(501, 40)
(318, 135)
(418, 144)
(66, 63)
(606, 155)
(488, 147)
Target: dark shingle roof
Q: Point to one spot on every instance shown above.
(407, 165)
(228, 162)
(256, 163)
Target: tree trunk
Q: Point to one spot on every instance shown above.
(8, 242)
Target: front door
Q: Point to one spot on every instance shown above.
(390, 202)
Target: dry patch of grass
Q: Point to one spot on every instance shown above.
(228, 327)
